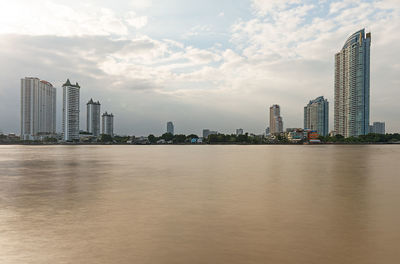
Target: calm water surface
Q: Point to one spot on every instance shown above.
(200, 204)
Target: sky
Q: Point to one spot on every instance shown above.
(201, 64)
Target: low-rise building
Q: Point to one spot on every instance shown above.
(296, 135)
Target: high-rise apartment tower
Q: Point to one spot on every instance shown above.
(93, 117)
(316, 116)
(38, 109)
(70, 124)
(352, 86)
(275, 120)
(107, 124)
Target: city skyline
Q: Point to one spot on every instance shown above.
(223, 77)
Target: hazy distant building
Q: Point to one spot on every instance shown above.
(170, 127)
(378, 128)
(275, 120)
(239, 131)
(93, 117)
(316, 116)
(352, 86)
(207, 132)
(267, 132)
(38, 109)
(107, 124)
(70, 122)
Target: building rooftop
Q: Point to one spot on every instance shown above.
(357, 37)
(93, 102)
(107, 114)
(68, 83)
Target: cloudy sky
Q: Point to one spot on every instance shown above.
(202, 64)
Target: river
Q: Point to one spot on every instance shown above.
(200, 204)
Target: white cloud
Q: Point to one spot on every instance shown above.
(136, 21)
(263, 7)
(141, 4)
(283, 53)
(50, 18)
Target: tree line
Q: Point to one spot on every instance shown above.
(226, 139)
(370, 138)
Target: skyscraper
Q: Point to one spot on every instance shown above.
(275, 120)
(107, 123)
(93, 117)
(316, 116)
(378, 128)
(70, 124)
(170, 127)
(38, 109)
(352, 70)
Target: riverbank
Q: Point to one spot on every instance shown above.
(198, 144)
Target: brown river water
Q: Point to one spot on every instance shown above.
(200, 204)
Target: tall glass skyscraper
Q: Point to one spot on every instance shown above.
(352, 71)
(316, 116)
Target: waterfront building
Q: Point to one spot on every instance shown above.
(296, 135)
(38, 109)
(93, 118)
(352, 86)
(378, 128)
(316, 116)
(275, 120)
(239, 131)
(170, 127)
(70, 122)
(107, 124)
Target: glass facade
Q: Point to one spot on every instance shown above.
(352, 86)
(316, 116)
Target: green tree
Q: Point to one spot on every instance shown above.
(192, 136)
(105, 138)
(152, 139)
(179, 138)
(167, 136)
